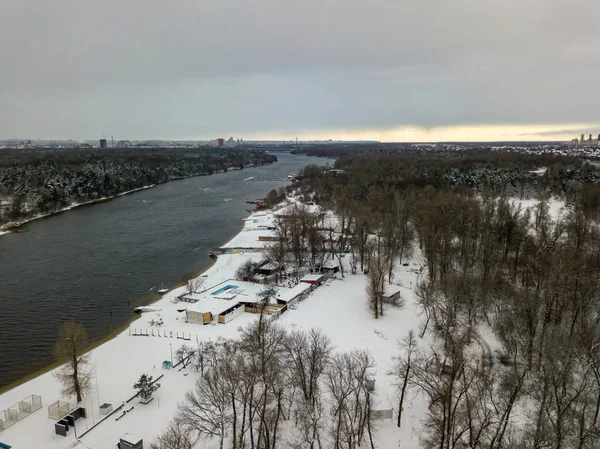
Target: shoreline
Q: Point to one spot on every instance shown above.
(119, 329)
(14, 226)
(11, 226)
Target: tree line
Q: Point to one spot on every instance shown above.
(34, 182)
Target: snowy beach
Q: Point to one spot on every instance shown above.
(338, 308)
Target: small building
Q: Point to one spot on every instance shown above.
(313, 279)
(207, 310)
(331, 266)
(129, 441)
(268, 269)
(391, 293)
(294, 295)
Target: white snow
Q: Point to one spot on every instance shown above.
(556, 207)
(294, 292)
(340, 309)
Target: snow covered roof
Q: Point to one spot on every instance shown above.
(212, 305)
(312, 277)
(194, 296)
(391, 289)
(228, 295)
(131, 439)
(249, 239)
(294, 292)
(269, 266)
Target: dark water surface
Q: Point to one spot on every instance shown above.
(96, 263)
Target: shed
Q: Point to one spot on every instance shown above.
(391, 293)
(331, 266)
(268, 268)
(312, 279)
(129, 441)
(205, 310)
(294, 295)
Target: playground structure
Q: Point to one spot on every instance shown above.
(20, 410)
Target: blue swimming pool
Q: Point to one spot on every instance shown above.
(271, 292)
(223, 289)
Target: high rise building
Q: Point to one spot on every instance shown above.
(582, 138)
(220, 142)
(102, 143)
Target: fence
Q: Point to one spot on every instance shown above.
(20, 410)
(58, 409)
(144, 332)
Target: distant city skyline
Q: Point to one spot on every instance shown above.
(392, 71)
(410, 134)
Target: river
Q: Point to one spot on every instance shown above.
(96, 263)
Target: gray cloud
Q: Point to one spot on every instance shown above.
(188, 68)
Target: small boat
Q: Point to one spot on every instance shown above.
(160, 290)
(292, 176)
(212, 254)
(249, 179)
(142, 309)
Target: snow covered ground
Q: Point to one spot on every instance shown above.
(556, 208)
(340, 309)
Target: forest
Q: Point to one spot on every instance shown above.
(490, 271)
(506, 353)
(530, 279)
(41, 181)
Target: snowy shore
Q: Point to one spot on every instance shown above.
(338, 308)
(13, 225)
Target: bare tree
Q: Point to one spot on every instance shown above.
(74, 375)
(184, 355)
(246, 271)
(346, 382)
(401, 370)
(307, 354)
(378, 269)
(195, 285)
(206, 409)
(175, 436)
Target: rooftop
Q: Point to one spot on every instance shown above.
(294, 292)
(212, 305)
(312, 277)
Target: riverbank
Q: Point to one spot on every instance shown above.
(14, 226)
(124, 350)
(136, 302)
(337, 308)
(119, 329)
(95, 264)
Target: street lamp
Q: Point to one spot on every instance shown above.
(171, 345)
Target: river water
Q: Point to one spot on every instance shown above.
(95, 264)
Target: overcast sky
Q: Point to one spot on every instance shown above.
(373, 69)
